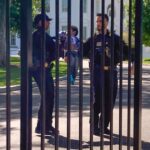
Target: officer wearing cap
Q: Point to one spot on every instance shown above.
(38, 67)
(99, 48)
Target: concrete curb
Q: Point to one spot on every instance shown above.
(17, 87)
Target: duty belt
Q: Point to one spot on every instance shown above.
(74, 50)
(48, 65)
(106, 67)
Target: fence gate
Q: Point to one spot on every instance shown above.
(73, 105)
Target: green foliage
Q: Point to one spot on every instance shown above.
(36, 7)
(15, 13)
(15, 75)
(145, 20)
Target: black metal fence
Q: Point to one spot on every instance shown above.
(26, 141)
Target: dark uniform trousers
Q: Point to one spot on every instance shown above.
(107, 95)
(49, 96)
(105, 47)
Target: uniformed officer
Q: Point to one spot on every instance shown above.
(98, 67)
(37, 68)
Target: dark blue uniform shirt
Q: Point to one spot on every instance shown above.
(99, 46)
(37, 48)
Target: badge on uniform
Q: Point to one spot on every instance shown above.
(98, 44)
(107, 51)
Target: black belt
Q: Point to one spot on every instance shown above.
(49, 65)
(106, 68)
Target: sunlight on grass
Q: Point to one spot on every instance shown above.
(15, 72)
(146, 61)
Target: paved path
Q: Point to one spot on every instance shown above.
(49, 140)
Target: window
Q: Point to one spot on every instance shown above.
(64, 28)
(98, 7)
(109, 10)
(64, 6)
(47, 5)
(84, 33)
(84, 6)
(13, 39)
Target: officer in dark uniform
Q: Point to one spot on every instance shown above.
(37, 68)
(98, 51)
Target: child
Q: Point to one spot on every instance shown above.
(73, 53)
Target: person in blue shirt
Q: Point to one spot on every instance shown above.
(38, 67)
(73, 53)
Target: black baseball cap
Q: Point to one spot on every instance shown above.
(39, 17)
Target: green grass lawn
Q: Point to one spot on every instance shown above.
(15, 71)
(146, 61)
(15, 75)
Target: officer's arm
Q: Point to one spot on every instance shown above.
(77, 43)
(87, 47)
(50, 48)
(126, 54)
(125, 49)
(129, 55)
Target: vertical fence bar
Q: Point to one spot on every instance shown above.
(43, 75)
(129, 77)
(121, 75)
(138, 75)
(26, 62)
(91, 75)
(102, 89)
(81, 78)
(68, 78)
(57, 77)
(112, 73)
(8, 78)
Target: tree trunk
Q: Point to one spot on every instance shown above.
(2, 33)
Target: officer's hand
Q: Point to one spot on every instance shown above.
(45, 64)
(132, 69)
(66, 59)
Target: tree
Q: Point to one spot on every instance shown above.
(14, 22)
(145, 21)
(15, 16)
(15, 13)
(2, 32)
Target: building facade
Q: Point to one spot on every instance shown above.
(14, 44)
(75, 19)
